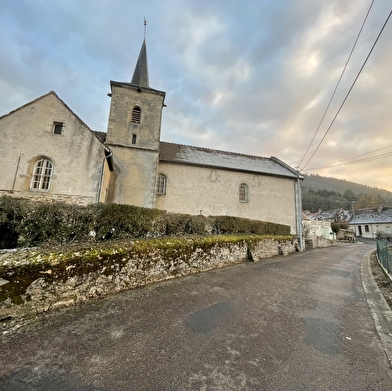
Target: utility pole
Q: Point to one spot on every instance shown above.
(299, 213)
(352, 205)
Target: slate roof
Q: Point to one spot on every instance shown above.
(204, 157)
(328, 214)
(140, 75)
(372, 216)
(100, 135)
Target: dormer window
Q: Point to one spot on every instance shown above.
(136, 115)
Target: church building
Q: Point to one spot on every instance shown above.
(49, 153)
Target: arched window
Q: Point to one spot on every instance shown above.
(42, 174)
(243, 192)
(136, 115)
(161, 185)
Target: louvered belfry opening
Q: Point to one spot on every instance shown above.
(136, 115)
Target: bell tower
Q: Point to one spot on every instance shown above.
(133, 135)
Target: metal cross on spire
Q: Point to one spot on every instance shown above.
(145, 26)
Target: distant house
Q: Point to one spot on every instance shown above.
(308, 215)
(368, 223)
(49, 153)
(332, 216)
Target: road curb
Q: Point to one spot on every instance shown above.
(381, 313)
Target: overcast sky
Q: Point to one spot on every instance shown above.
(249, 76)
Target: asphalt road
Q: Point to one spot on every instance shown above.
(300, 322)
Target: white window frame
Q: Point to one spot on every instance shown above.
(243, 193)
(161, 185)
(42, 175)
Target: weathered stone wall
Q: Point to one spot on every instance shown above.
(135, 146)
(270, 198)
(32, 282)
(50, 197)
(76, 154)
(270, 247)
(319, 241)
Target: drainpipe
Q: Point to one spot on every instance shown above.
(16, 173)
(299, 213)
(98, 197)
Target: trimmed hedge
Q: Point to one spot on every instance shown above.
(25, 223)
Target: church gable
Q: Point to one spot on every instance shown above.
(50, 152)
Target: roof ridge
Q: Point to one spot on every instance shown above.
(61, 101)
(29, 103)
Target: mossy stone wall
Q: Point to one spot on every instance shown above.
(33, 281)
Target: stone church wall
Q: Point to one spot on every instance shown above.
(214, 192)
(135, 146)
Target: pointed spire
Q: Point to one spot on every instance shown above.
(140, 75)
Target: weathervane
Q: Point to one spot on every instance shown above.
(145, 25)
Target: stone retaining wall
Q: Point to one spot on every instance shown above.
(50, 197)
(32, 282)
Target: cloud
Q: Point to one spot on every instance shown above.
(251, 77)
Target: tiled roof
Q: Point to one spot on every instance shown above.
(184, 154)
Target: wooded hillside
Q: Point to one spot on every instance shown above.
(330, 193)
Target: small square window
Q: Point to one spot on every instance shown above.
(58, 128)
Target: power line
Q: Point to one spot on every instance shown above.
(354, 157)
(367, 159)
(338, 83)
(349, 91)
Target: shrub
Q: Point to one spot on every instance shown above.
(10, 216)
(26, 223)
(336, 227)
